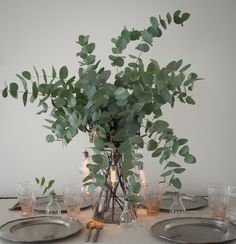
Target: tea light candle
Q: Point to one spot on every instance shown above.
(142, 175)
(86, 161)
(113, 175)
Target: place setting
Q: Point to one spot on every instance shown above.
(47, 218)
(218, 228)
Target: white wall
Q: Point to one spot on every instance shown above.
(43, 33)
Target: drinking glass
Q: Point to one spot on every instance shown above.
(26, 194)
(72, 200)
(218, 199)
(232, 203)
(152, 194)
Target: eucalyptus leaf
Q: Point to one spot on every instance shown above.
(63, 73)
(25, 97)
(189, 100)
(172, 164)
(83, 40)
(147, 37)
(168, 17)
(179, 170)
(184, 150)
(167, 173)
(134, 35)
(190, 159)
(50, 138)
(152, 145)
(5, 92)
(35, 90)
(175, 182)
(154, 22)
(13, 89)
(143, 47)
(26, 75)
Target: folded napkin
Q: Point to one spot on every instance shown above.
(16, 206)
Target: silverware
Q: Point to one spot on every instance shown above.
(99, 227)
(93, 225)
(90, 225)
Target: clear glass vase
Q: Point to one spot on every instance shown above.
(127, 217)
(177, 207)
(53, 207)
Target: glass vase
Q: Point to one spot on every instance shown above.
(108, 201)
(177, 207)
(53, 207)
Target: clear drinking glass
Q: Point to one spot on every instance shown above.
(232, 203)
(152, 194)
(218, 200)
(26, 194)
(72, 200)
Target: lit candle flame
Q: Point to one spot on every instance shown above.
(113, 175)
(142, 175)
(86, 161)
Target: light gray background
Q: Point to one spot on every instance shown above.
(43, 33)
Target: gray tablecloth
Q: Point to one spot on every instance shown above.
(111, 234)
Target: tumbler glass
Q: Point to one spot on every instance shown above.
(152, 195)
(72, 200)
(218, 199)
(26, 194)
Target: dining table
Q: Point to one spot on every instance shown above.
(111, 233)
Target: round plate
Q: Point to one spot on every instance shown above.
(39, 229)
(190, 202)
(42, 203)
(195, 230)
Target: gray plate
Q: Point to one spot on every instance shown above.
(195, 230)
(39, 229)
(190, 202)
(41, 203)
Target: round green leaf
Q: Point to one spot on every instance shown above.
(134, 35)
(143, 47)
(176, 183)
(190, 159)
(63, 73)
(26, 75)
(185, 16)
(154, 21)
(152, 145)
(83, 40)
(147, 37)
(157, 152)
(90, 47)
(13, 89)
(184, 150)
